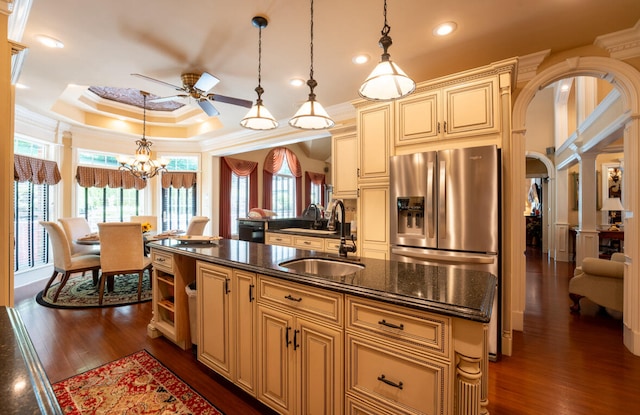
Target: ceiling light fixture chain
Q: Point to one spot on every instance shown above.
(387, 81)
(142, 165)
(259, 117)
(311, 115)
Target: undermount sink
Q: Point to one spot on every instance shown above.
(322, 266)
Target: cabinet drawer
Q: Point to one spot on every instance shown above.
(306, 242)
(321, 304)
(278, 239)
(332, 245)
(398, 380)
(162, 260)
(413, 328)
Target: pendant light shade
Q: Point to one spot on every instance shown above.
(259, 117)
(311, 115)
(387, 81)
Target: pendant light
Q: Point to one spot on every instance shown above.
(387, 81)
(311, 115)
(259, 117)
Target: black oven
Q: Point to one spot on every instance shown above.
(251, 230)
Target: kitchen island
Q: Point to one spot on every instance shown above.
(388, 337)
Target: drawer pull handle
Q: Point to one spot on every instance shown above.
(307, 243)
(382, 378)
(292, 298)
(159, 259)
(393, 326)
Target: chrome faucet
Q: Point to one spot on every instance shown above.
(344, 248)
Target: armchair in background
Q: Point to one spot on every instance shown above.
(601, 281)
(197, 225)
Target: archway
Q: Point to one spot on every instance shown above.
(627, 80)
(549, 194)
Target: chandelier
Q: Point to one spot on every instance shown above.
(142, 165)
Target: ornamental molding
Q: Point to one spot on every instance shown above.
(622, 45)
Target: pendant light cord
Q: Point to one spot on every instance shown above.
(386, 28)
(144, 115)
(259, 89)
(311, 48)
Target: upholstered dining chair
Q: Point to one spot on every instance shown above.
(76, 228)
(197, 225)
(64, 263)
(153, 220)
(122, 252)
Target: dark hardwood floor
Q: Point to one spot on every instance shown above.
(562, 363)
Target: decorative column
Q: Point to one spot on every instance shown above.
(562, 217)
(468, 385)
(587, 241)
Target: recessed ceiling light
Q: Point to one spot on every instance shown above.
(360, 59)
(297, 82)
(49, 41)
(445, 29)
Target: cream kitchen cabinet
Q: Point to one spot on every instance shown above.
(373, 217)
(226, 323)
(300, 348)
(465, 109)
(282, 239)
(375, 132)
(171, 274)
(344, 152)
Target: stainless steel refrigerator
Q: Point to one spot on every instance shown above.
(445, 208)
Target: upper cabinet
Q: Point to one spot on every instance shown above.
(344, 150)
(460, 110)
(375, 132)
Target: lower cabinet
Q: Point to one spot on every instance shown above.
(300, 358)
(226, 316)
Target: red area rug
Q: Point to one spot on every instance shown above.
(136, 384)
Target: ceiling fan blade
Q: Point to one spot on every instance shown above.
(148, 78)
(206, 82)
(169, 98)
(230, 100)
(208, 107)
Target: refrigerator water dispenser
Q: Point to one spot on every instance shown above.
(411, 215)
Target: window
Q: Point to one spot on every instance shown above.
(106, 204)
(239, 200)
(179, 204)
(31, 204)
(316, 193)
(284, 192)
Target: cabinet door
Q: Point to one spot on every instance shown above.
(320, 364)
(276, 367)
(344, 151)
(375, 126)
(471, 108)
(419, 118)
(244, 312)
(373, 222)
(214, 339)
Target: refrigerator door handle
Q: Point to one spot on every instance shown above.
(465, 258)
(442, 201)
(431, 201)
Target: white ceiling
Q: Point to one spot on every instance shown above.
(106, 41)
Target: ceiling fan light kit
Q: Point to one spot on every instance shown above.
(311, 115)
(259, 117)
(142, 165)
(387, 81)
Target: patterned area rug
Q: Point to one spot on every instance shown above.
(79, 292)
(136, 384)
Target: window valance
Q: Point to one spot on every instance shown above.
(98, 177)
(178, 180)
(36, 171)
(275, 158)
(240, 167)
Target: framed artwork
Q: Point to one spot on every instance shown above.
(612, 188)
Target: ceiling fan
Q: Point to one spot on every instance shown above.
(197, 86)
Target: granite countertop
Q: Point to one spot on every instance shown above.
(439, 289)
(24, 386)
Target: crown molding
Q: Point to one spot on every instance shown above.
(528, 64)
(622, 45)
